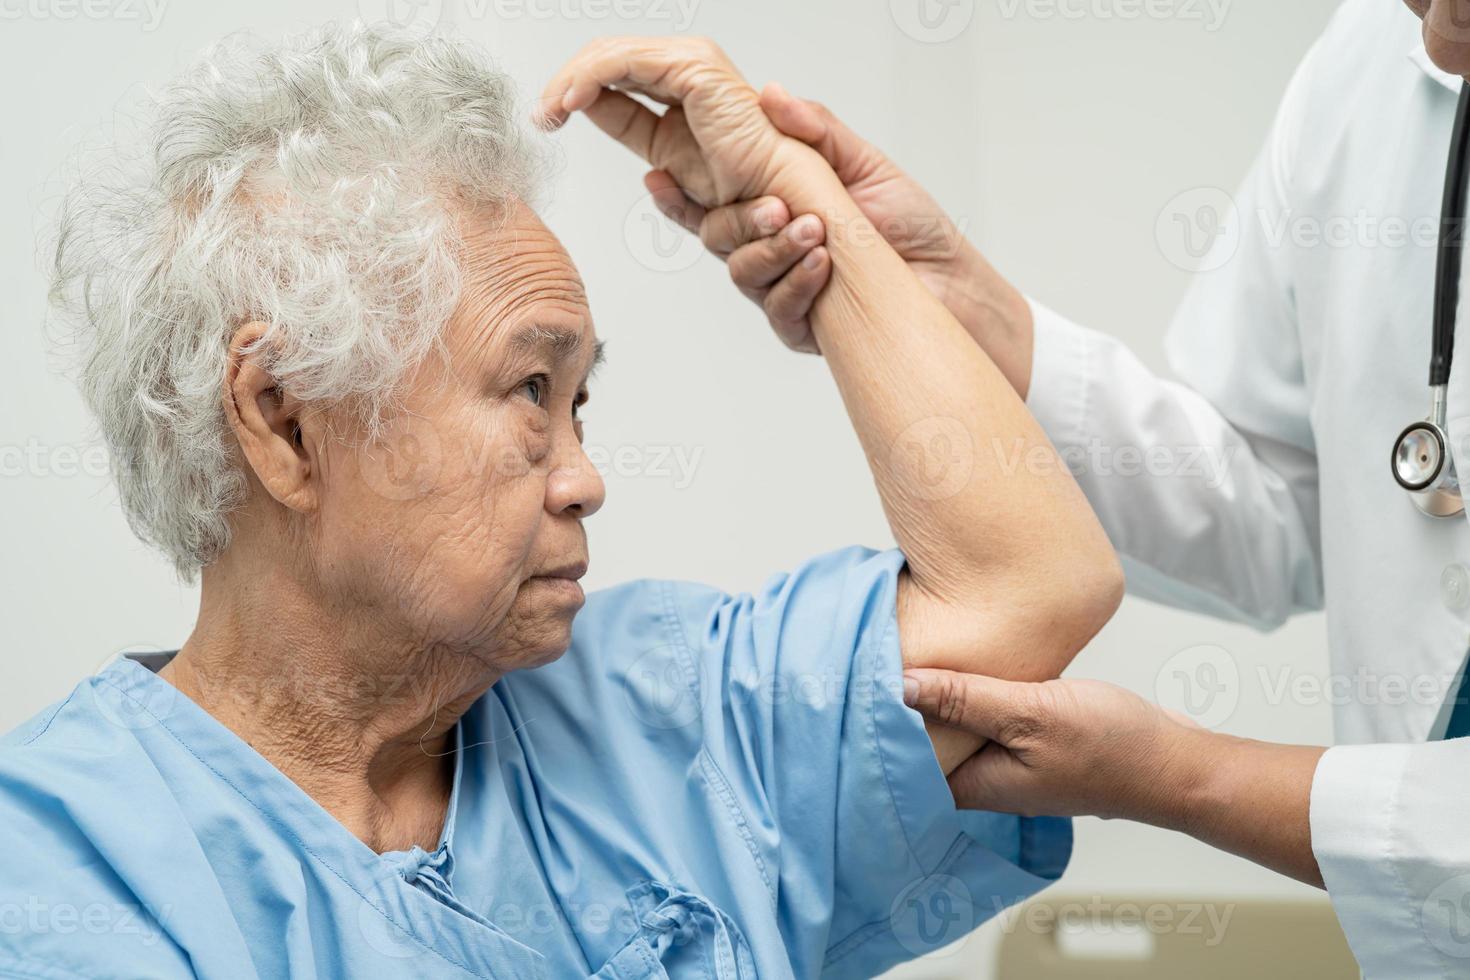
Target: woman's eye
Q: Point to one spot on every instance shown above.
(535, 389)
(577, 405)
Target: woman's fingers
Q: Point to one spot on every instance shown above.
(762, 262)
(714, 139)
(665, 141)
(626, 120)
(672, 202)
(659, 67)
(574, 86)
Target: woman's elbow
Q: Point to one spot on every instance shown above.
(1025, 620)
(1077, 592)
(1100, 592)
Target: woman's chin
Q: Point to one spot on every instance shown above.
(541, 619)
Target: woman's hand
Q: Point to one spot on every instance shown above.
(714, 139)
(767, 255)
(1085, 748)
(901, 210)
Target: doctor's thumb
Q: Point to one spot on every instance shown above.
(983, 706)
(851, 156)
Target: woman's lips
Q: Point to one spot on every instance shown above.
(563, 580)
(573, 570)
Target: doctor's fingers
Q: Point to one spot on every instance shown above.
(783, 279)
(762, 262)
(726, 229)
(722, 229)
(789, 302)
(851, 156)
(994, 780)
(1007, 712)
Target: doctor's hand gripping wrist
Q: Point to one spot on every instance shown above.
(1087, 748)
(767, 247)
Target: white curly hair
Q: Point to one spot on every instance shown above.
(308, 185)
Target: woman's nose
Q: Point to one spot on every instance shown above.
(574, 487)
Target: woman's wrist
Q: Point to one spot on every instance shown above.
(994, 313)
(808, 185)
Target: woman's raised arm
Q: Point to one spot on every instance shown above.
(1009, 572)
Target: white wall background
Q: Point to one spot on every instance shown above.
(1055, 132)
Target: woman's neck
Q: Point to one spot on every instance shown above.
(363, 724)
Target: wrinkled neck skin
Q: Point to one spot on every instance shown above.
(358, 715)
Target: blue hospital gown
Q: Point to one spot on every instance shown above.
(704, 786)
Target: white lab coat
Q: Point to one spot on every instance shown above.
(1299, 361)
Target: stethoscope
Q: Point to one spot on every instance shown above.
(1422, 463)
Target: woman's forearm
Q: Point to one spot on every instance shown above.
(982, 506)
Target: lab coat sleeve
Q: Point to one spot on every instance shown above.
(1206, 482)
(1388, 831)
(1205, 516)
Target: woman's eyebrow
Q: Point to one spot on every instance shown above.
(560, 343)
(599, 357)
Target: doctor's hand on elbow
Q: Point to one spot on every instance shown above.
(1062, 748)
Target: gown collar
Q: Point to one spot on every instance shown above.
(401, 915)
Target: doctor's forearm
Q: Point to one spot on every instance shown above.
(1250, 798)
(993, 312)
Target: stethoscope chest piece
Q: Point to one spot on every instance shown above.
(1422, 465)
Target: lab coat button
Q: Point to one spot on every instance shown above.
(1454, 587)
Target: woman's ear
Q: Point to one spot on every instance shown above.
(267, 424)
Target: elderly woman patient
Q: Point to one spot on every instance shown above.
(339, 362)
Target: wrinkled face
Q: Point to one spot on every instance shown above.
(462, 525)
(1446, 32)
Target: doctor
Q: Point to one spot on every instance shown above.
(1300, 361)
